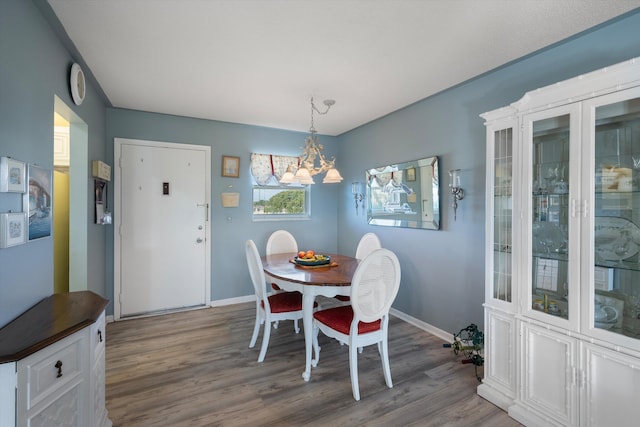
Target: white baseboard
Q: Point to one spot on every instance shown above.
(495, 396)
(446, 336)
(231, 301)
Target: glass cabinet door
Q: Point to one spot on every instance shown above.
(502, 214)
(615, 230)
(550, 169)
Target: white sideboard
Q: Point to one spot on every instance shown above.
(52, 364)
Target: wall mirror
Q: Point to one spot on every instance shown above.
(405, 194)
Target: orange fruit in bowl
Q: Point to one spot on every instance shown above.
(301, 254)
(310, 254)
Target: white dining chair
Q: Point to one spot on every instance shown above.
(367, 244)
(269, 308)
(281, 242)
(365, 322)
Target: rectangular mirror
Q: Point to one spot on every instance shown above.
(405, 195)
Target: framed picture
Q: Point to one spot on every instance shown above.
(39, 202)
(12, 175)
(231, 166)
(13, 229)
(411, 174)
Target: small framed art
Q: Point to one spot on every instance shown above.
(12, 175)
(411, 174)
(38, 202)
(13, 229)
(231, 166)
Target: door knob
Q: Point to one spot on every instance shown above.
(198, 240)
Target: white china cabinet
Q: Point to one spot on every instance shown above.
(562, 300)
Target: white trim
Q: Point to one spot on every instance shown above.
(447, 336)
(232, 301)
(442, 334)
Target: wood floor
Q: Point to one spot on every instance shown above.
(195, 369)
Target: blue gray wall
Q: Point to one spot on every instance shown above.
(443, 271)
(229, 275)
(34, 68)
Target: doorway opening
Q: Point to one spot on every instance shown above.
(70, 199)
(60, 204)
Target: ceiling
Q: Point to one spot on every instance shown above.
(259, 61)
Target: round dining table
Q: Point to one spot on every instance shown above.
(327, 280)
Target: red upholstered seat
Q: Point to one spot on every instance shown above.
(284, 302)
(340, 318)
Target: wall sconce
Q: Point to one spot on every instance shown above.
(357, 194)
(456, 189)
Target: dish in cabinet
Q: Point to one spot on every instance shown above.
(616, 238)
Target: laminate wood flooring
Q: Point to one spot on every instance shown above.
(194, 368)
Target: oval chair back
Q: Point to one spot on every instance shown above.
(375, 285)
(367, 244)
(280, 242)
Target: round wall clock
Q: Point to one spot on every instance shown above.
(78, 86)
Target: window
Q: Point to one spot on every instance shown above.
(271, 200)
(277, 202)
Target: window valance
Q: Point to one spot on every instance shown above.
(266, 166)
(384, 178)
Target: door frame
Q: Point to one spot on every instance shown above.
(117, 271)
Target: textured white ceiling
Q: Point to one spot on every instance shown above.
(259, 61)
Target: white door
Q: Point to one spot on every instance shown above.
(161, 241)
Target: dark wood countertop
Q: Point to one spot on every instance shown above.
(50, 320)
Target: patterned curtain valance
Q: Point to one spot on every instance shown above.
(384, 178)
(266, 166)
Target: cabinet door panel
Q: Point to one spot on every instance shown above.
(611, 390)
(500, 352)
(548, 373)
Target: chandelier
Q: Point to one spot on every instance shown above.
(313, 151)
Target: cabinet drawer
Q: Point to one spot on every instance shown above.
(98, 336)
(48, 370)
